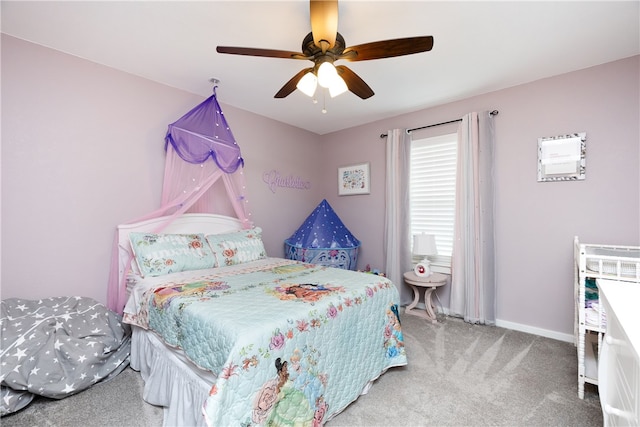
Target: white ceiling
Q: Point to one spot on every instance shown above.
(479, 47)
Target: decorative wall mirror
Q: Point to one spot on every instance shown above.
(562, 158)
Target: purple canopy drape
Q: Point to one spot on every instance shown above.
(189, 181)
(204, 132)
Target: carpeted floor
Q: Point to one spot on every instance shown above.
(458, 375)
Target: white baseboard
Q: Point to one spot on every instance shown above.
(517, 327)
(536, 331)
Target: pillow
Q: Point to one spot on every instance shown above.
(237, 247)
(159, 254)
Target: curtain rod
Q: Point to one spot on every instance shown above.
(492, 113)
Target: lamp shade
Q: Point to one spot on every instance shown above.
(308, 84)
(424, 244)
(337, 87)
(327, 73)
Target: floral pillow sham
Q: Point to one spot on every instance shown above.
(237, 247)
(160, 254)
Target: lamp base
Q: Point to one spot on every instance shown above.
(423, 268)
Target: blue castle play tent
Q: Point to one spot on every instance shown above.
(323, 239)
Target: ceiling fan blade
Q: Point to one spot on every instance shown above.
(290, 86)
(324, 22)
(252, 51)
(388, 48)
(354, 82)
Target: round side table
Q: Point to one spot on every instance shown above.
(430, 282)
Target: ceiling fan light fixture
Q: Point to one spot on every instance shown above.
(337, 87)
(324, 45)
(307, 84)
(327, 73)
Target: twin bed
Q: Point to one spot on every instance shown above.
(224, 335)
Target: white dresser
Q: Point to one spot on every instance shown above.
(619, 364)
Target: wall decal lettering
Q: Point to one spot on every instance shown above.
(274, 179)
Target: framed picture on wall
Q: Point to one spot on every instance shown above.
(353, 179)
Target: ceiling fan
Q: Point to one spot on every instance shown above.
(324, 45)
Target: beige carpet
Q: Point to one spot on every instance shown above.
(458, 375)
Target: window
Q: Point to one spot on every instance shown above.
(432, 192)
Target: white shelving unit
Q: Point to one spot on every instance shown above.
(619, 263)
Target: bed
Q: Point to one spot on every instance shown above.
(250, 339)
(593, 262)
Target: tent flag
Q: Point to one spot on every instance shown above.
(204, 132)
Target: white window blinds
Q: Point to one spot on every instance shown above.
(433, 193)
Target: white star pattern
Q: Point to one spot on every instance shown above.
(20, 353)
(7, 398)
(47, 346)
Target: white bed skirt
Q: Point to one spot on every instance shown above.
(175, 383)
(171, 381)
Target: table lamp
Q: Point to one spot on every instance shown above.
(423, 245)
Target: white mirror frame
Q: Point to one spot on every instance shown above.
(562, 158)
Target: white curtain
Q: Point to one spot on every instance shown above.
(397, 247)
(473, 260)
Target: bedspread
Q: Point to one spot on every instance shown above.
(290, 343)
(56, 347)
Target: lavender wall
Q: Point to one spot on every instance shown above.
(82, 152)
(535, 222)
